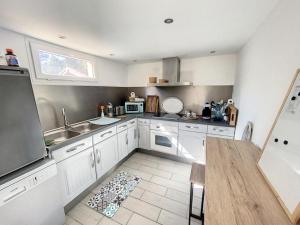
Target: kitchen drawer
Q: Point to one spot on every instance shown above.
(144, 121)
(72, 149)
(131, 123)
(193, 127)
(220, 136)
(101, 136)
(121, 127)
(166, 126)
(14, 191)
(219, 130)
(164, 123)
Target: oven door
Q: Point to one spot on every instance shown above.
(164, 141)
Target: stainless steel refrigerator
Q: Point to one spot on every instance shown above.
(21, 136)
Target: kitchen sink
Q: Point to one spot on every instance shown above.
(85, 127)
(56, 137)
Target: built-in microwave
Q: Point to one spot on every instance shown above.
(134, 107)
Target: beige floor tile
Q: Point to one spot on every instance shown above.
(71, 221)
(140, 220)
(155, 188)
(143, 175)
(137, 192)
(182, 197)
(142, 208)
(181, 178)
(108, 221)
(122, 216)
(171, 184)
(168, 218)
(165, 203)
(155, 171)
(175, 169)
(132, 164)
(85, 215)
(145, 162)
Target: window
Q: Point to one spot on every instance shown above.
(59, 63)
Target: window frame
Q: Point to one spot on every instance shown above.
(36, 47)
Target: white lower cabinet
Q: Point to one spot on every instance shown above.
(76, 174)
(132, 138)
(106, 155)
(191, 146)
(122, 144)
(144, 136)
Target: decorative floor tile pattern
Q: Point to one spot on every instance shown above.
(161, 198)
(109, 198)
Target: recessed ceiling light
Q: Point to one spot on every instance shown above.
(213, 52)
(168, 20)
(62, 37)
(112, 54)
(134, 60)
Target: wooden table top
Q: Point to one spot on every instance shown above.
(235, 191)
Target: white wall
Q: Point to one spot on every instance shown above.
(210, 70)
(138, 74)
(267, 65)
(108, 72)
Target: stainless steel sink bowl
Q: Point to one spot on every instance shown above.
(59, 136)
(84, 127)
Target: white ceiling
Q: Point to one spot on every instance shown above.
(134, 29)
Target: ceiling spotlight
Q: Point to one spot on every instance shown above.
(168, 20)
(62, 37)
(213, 52)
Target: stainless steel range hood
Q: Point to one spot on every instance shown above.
(171, 72)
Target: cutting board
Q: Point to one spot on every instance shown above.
(105, 121)
(152, 104)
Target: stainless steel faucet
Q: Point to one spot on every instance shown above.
(66, 122)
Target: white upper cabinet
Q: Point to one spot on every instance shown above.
(280, 161)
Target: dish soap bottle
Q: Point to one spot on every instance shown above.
(2, 60)
(11, 58)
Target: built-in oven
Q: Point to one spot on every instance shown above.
(163, 137)
(134, 107)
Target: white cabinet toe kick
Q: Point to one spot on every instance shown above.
(83, 163)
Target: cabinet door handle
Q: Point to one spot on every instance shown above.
(108, 132)
(157, 127)
(188, 126)
(92, 159)
(126, 139)
(203, 142)
(216, 129)
(6, 199)
(75, 147)
(135, 133)
(123, 126)
(132, 122)
(98, 156)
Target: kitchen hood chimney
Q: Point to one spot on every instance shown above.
(171, 72)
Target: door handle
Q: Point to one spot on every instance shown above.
(126, 139)
(102, 135)
(15, 194)
(93, 160)
(98, 156)
(75, 147)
